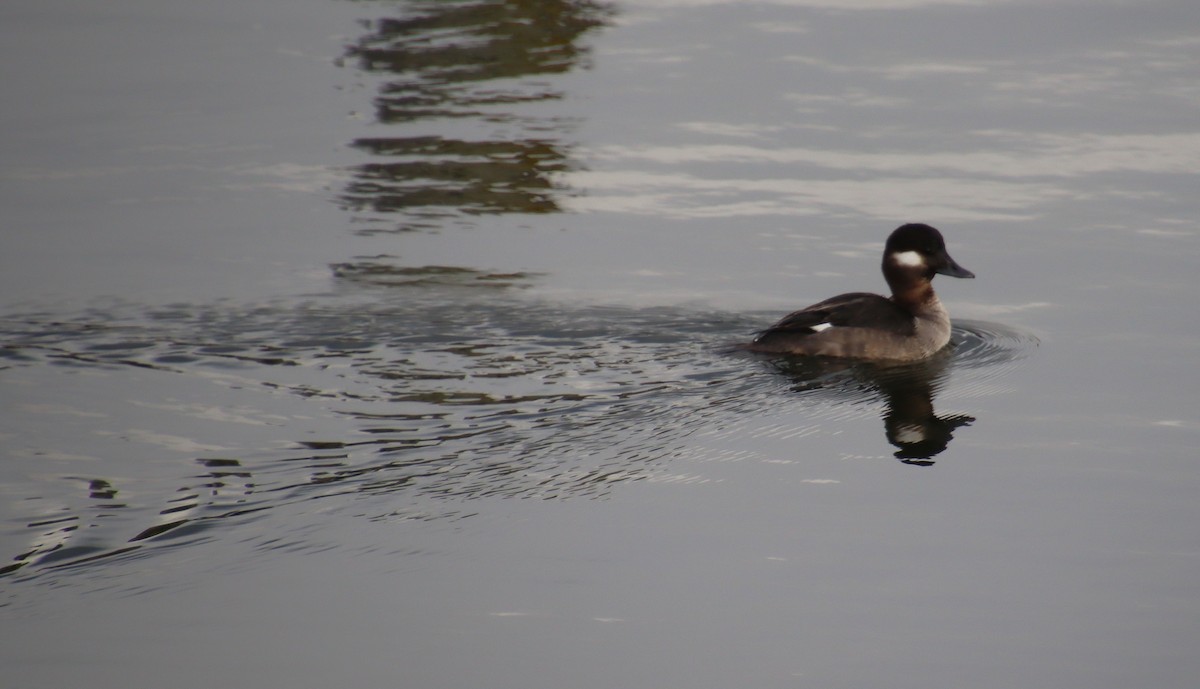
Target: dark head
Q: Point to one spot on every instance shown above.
(918, 248)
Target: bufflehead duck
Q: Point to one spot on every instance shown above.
(911, 325)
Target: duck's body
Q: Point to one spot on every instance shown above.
(910, 325)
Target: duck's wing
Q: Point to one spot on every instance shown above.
(856, 309)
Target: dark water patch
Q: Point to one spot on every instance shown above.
(176, 359)
(80, 556)
(118, 346)
(385, 271)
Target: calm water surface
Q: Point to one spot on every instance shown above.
(389, 344)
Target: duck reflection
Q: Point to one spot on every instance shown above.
(468, 61)
(909, 421)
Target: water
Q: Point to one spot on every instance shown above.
(390, 344)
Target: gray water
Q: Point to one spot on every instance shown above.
(391, 344)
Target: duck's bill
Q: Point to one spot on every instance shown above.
(950, 267)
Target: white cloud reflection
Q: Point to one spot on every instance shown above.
(1023, 155)
(745, 131)
(819, 4)
(679, 195)
(1005, 178)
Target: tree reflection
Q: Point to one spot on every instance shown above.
(468, 61)
(472, 177)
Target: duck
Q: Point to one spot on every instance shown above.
(910, 325)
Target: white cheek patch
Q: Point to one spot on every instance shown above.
(909, 259)
(909, 434)
(820, 326)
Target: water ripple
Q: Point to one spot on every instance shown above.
(984, 353)
(220, 414)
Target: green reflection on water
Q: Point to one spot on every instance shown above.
(467, 61)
